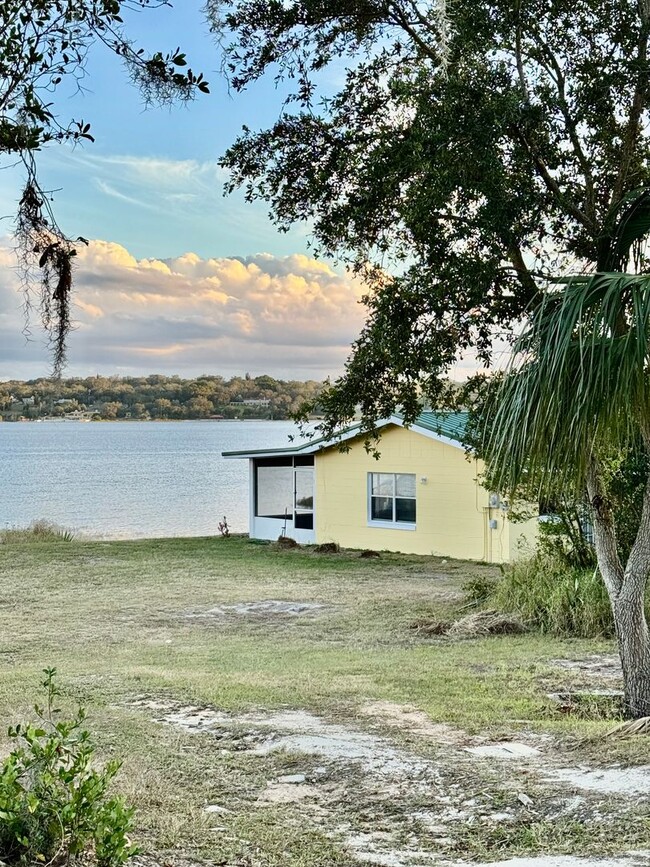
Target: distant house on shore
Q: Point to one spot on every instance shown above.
(422, 496)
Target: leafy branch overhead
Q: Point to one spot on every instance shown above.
(44, 46)
(469, 153)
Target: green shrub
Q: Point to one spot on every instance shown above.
(54, 807)
(555, 598)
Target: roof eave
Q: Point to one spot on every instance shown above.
(316, 446)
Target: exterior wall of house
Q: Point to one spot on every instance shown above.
(453, 511)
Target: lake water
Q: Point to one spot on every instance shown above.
(130, 479)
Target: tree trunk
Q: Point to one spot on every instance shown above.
(633, 645)
(626, 590)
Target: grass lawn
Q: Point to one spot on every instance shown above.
(126, 621)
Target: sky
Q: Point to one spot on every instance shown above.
(177, 278)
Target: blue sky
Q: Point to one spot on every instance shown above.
(161, 287)
(101, 193)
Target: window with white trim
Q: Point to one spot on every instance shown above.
(391, 499)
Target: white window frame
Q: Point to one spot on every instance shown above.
(390, 525)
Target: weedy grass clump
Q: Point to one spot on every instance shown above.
(555, 598)
(38, 531)
(478, 591)
(54, 804)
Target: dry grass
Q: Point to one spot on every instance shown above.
(327, 548)
(38, 531)
(116, 619)
(477, 625)
(483, 623)
(631, 728)
(427, 627)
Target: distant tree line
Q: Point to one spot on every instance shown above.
(155, 397)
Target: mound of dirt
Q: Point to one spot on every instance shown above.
(286, 542)
(327, 548)
(369, 555)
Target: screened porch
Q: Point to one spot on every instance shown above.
(282, 498)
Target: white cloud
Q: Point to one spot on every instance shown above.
(180, 181)
(108, 190)
(160, 170)
(289, 316)
(184, 200)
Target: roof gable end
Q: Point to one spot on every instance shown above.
(448, 428)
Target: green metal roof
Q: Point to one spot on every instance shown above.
(448, 424)
(451, 425)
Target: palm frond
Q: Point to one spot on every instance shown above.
(628, 222)
(578, 381)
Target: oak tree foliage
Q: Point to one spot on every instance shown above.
(467, 155)
(44, 45)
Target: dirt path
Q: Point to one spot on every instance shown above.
(397, 790)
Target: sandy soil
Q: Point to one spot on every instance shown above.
(413, 800)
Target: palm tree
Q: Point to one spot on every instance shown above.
(576, 393)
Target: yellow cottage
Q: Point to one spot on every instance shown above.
(421, 497)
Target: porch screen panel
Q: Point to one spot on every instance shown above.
(274, 486)
(304, 490)
(304, 499)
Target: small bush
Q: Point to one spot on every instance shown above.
(54, 807)
(38, 531)
(555, 598)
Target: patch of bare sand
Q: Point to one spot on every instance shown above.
(410, 719)
(639, 859)
(504, 750)
(288, 793)
(417, 722)
(302, 732)
(369, 848)
(607, 781)
(598, 666)
(261, 608)
(363, 844)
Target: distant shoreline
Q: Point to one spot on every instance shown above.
(140, 420)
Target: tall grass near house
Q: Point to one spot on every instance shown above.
(556, 598)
